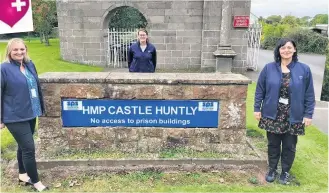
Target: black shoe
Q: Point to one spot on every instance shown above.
(29, 182)
(284, 178)
(271, 175)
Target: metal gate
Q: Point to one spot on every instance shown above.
(119, 42)
(254, 36)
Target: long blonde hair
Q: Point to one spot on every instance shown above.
(9, 49)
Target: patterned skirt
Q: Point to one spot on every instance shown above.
(281, 124)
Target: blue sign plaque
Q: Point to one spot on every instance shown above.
(140, 113)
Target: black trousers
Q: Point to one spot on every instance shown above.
(287, 152)
(23, 134)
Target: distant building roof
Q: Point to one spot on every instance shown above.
(320, 28)
(323, 27)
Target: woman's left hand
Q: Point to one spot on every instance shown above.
(307, 121)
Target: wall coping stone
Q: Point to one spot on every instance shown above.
(215, 78)
(50, 164)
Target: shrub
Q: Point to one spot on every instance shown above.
(309, 41)
(325, 84)
(270, 42)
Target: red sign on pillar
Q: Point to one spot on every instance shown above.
(241, 21)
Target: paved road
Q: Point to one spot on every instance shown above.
(317, 64)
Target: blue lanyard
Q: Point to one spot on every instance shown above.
(28, 76)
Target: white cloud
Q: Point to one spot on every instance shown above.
(297, 8)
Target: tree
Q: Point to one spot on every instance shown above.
(274, 19)
(261, 19)
(319, 19)
(272, 33)
(127, 17)
(44, 18)
(290, 20)
(305, 21)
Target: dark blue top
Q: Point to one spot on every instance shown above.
(301, 90)
(16, 104)
(139, 61)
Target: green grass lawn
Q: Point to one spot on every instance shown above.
(47, 59)
(310, 166)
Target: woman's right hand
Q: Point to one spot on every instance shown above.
(258, 115)
(2, 126)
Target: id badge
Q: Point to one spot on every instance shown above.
(34, 93)
(283, 101)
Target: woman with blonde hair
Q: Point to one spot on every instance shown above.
(21, 104)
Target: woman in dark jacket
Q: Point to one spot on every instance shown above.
(142, 55)
(21, 104)
(284, 105)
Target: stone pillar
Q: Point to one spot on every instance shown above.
(224, 53)
(224, 58)
(211, 21)
(224, 27)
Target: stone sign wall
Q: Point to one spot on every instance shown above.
(229, 89)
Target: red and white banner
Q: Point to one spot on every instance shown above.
(15, 16)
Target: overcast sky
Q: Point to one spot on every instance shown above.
(297, 8)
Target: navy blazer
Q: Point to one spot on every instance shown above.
(16, 105)
(139, 61)
(301, 90)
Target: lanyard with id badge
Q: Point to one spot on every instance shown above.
(283, 100)
(29, 79)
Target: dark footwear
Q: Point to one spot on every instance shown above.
(271, 175)
(29, 182)
(284, 178)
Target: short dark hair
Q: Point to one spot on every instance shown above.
(279, 44)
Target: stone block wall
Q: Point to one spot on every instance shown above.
(229, 89)
(238, 38)
(185, 33)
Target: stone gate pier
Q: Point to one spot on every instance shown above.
(89, 111)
